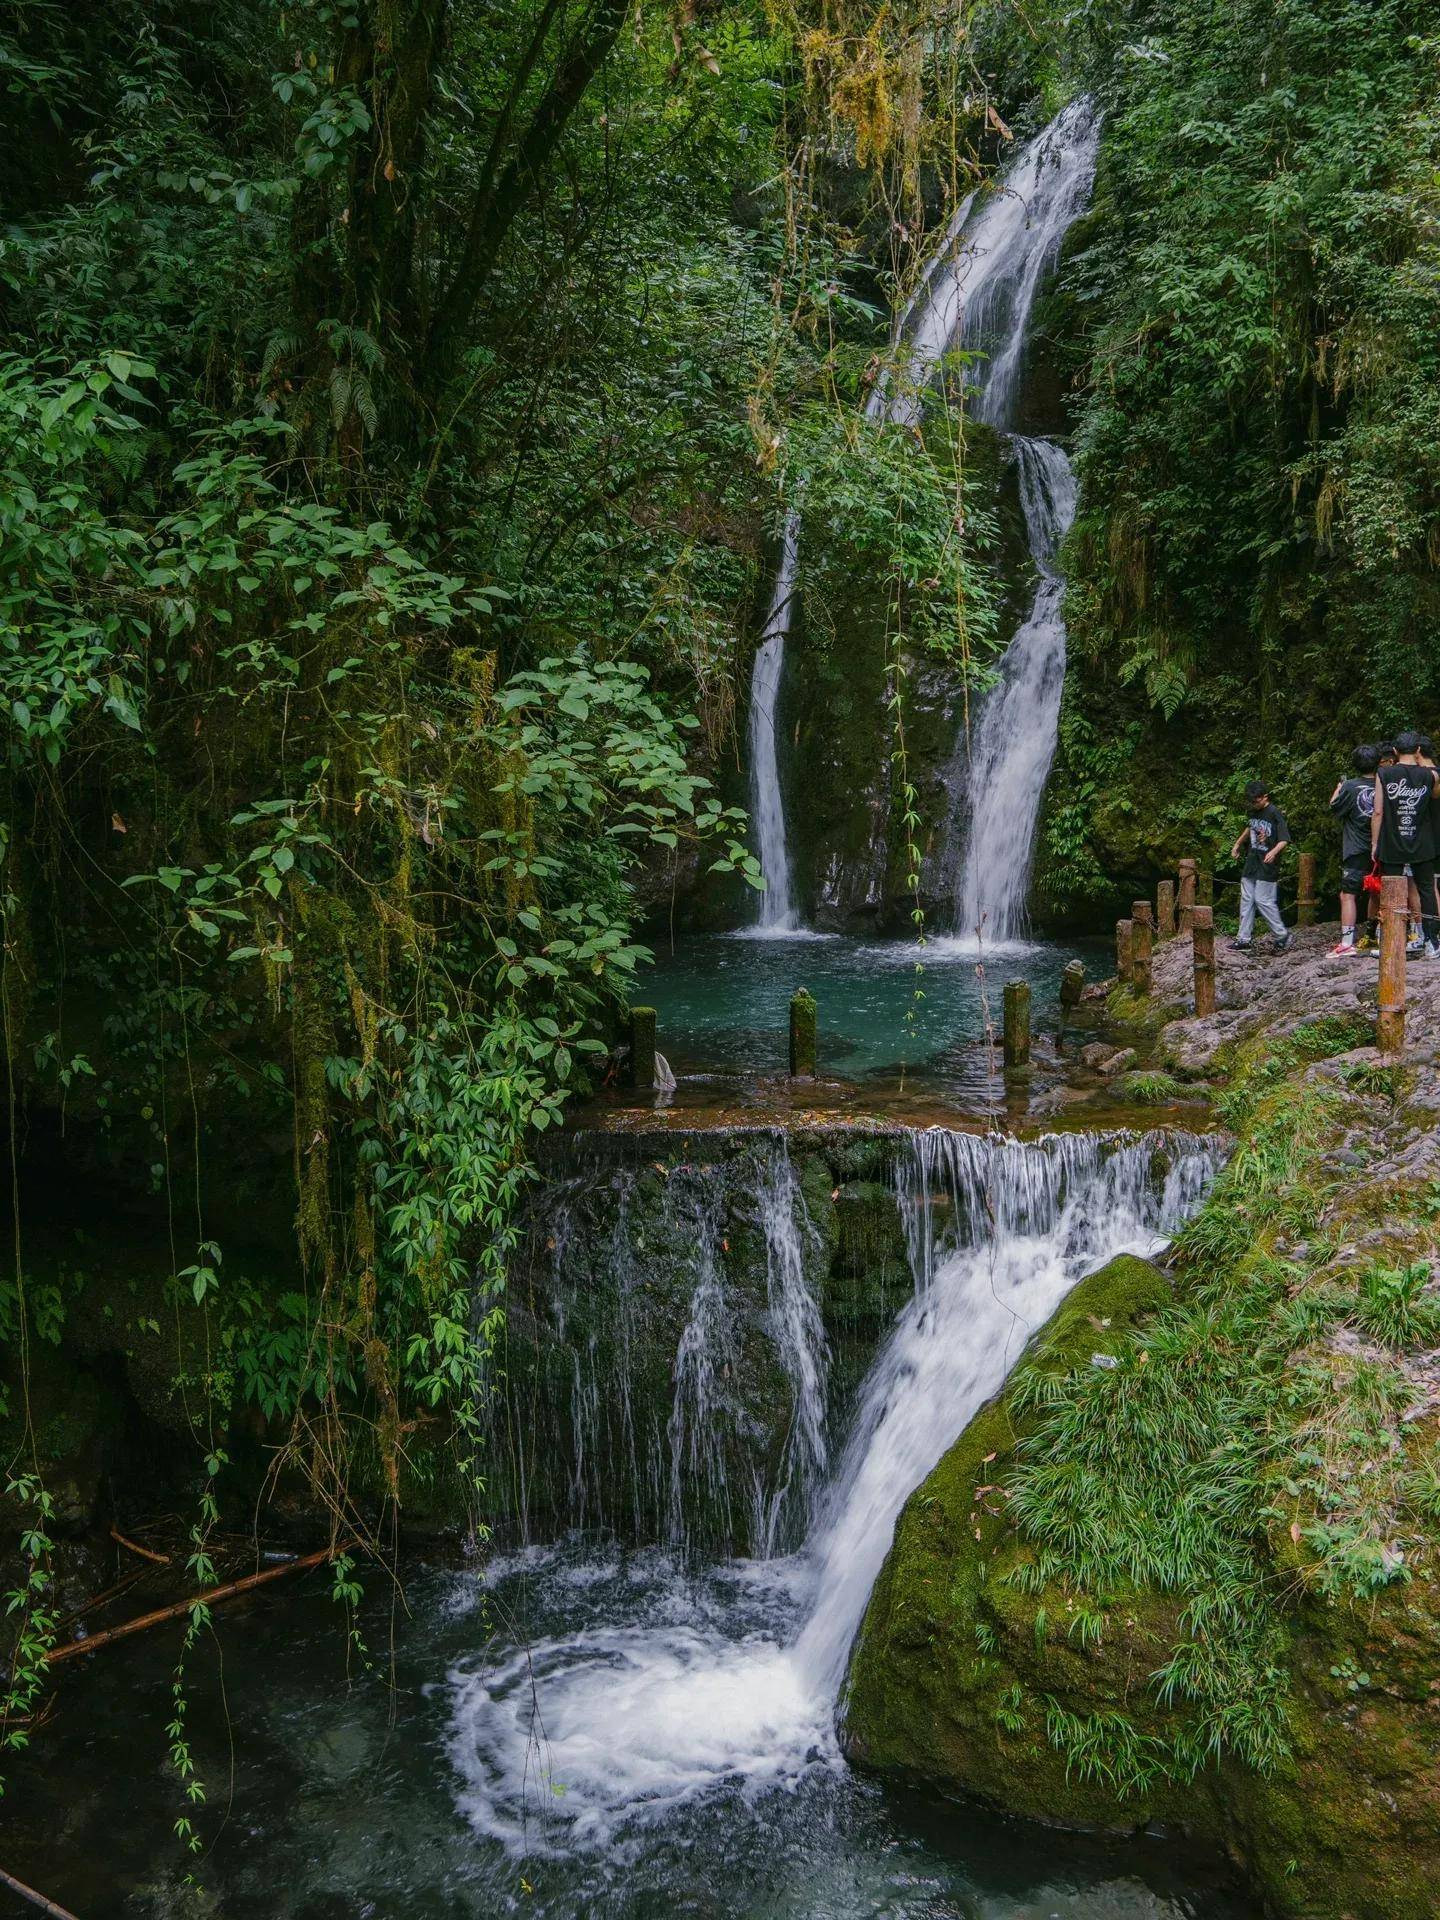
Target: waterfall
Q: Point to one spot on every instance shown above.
(1018, 1224)
(668, 1361)
(663, 1687)
(777, 912)
(979, 291)
(982, 294)
(981, 288)
(1015, 732)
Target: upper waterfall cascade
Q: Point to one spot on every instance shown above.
(987, 293)
(979, 291)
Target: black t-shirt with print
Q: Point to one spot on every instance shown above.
(1407, 818)
(1267, 829)
(1354, 806)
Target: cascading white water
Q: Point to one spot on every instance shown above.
(1023, 1221)
(978, 293)
(982, 286)
(1015, 733)
(614, 1725)
(726, 1462)
(777, 915)
(982, 297)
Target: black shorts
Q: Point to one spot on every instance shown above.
(1352, 877)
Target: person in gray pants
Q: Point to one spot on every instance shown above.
(1265, 838)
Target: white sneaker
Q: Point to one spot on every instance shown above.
(1414, 949)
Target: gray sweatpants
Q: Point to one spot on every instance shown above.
(1262, 897)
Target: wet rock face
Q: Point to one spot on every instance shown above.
(683, 1334)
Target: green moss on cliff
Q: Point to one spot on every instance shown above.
(1199, 1585)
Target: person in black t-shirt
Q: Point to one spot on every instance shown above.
(1402, 832)
(1268, 835)
(1353, 804)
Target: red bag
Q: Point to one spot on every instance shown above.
(1371, 882)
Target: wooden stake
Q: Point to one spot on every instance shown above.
(1202, 934)
(1394, 931)
(1307, 901)
(642, 1047)
(1124, 949)
(207, 1599)
(1165, 910)
(802, 1035)
(1017, 1023)
(1145, 939)
(1188, 874)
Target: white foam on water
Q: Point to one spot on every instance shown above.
(590, 1734)
(762, 931)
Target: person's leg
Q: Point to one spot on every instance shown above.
(1425, 873)
(1350, 890)
(1267, 899)
(1247, 912)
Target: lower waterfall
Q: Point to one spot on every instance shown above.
(659, 1682)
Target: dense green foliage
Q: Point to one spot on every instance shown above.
(398, 401)
(399, 404)
(1253, 311)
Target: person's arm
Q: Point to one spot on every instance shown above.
(1375, 814)
(1282, 838)
(1337, 805)
(1239, 842)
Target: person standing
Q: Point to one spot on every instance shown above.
(1402, 833)
(1267, 834)
(1353, 804)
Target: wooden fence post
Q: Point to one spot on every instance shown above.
(1124, 949)
(1394, 931)
(1188, 869)
(1017, 1023)
(1165, 910)
(1307, 902)
(1143, 947)
(802, 1035)
(642, 1047)
(1202, 933)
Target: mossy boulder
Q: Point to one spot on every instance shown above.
(948, 1636)
(983, 1678)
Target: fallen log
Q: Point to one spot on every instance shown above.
(211, 1597)
(35, 1899)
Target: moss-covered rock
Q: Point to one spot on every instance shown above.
(1201, 1586)
(943, 1675)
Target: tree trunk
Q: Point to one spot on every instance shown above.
(501, 195)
